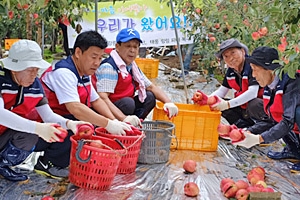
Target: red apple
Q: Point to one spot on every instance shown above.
(260, 170)
(263, 31)
(217, 25)
(197, 97)
(10, 14)
(253, 189)
(35, 15)
(254, 178)
(63, 133)
(198, 10)
(47, 198)
(85, 131)
(25, 6)
(223, 129)
(268, 189)
(236, 135)
(189, 166)
(242, 194)
(255, 35)
(241, 184)
(281, 47)
(191, 189)
(229, 190)
(224, 181)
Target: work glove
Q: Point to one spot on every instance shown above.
(171, 109)
(200, 98)
(249, 141)
(133, 120)
(73, 125)
(116, 127)
(47, 131)
(220, 105)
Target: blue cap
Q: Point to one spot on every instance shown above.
(127, 34)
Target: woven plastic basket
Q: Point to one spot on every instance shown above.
(93, 167)
(156, 146)
(132, 143)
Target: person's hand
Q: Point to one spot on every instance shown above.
(47, 131)
(73, 125)
(116, 127)
(133, 120)
(220, 105)
(171, 109)
(249, 141)
(200, 98)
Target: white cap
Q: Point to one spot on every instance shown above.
(24, 54)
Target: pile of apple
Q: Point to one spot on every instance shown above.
(240, 189)
(191, 189)
(231, 131)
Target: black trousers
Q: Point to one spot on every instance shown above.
(58, 152)
(133, 106)
(252, 114)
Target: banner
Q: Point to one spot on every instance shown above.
(152, 19)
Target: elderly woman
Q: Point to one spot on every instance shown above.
(281, 102)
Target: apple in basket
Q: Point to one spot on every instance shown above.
(85, 131)
(97, 143)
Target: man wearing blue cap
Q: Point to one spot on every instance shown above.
(281, 102)
(119, 79)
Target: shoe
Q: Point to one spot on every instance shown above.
(185, 73)
(296, 167)
(50, 170)
(285, 154)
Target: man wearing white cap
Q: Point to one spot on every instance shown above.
(21, 92)
(119, 78)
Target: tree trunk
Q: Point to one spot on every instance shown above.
(39, 33)
(28, 26)
(54, 40)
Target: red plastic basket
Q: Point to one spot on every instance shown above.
(132, 143)
(93, 167)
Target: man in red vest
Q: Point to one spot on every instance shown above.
(126, 90)
(21, 92)
(281, 103)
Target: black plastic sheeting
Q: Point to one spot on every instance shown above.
(165, 181)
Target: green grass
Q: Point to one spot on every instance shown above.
(49, 55)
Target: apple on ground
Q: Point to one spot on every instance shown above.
(189, 166)
(229, 190)
(261, 184)
(253, 189)
(191, 189)
(268, 189)
(242, 194)
(224, 181)
(241, 184)
(260, 170)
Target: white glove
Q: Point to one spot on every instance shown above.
(116, 127)
(47, 131)
(249, 141)
(73, 125)
(220, 105)
(133, 120)
(171, 109)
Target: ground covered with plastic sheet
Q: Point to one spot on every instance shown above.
(165, 181)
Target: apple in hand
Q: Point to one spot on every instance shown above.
(212, 100)
(63, 133)
(197, 97)
(85, 131)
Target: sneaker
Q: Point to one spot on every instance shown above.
(50, 170)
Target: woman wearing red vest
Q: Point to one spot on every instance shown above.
(246, 108)
(281, 102)
(21, 92)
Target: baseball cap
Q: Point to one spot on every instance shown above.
(263, 57)
(24, 54)
(127, 34)
(230, 43)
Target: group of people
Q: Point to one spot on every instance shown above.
(114, 93)
(31, 107)
(266, 104)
